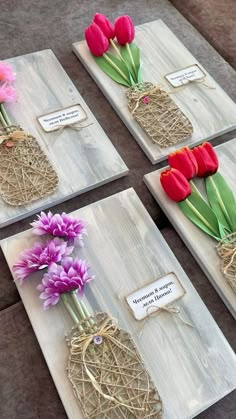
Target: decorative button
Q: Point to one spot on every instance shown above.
(97, 340)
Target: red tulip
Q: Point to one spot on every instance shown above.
(206, 159)
(96, 40)
(105, 25)
(184, 161)
(175, 185)
(124, 30)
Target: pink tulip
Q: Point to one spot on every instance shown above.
(124, 30)
(8, 94)
(6, 72)
(96, 40)
(105, 25)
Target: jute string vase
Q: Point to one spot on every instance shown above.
(25, 171)
(158, 115)
(226, 250)
(107, 373)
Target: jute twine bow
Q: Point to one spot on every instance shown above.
(107, 331)
(188, 81)
(12, 133)
(169, 309)
(76, 126)
(226, 249)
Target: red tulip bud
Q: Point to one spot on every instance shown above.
(105, 25)
(175, 185)
(206, 159)
(96, 40)
(184, 161)
(124, 30)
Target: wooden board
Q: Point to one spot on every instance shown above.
(126, 251)
(210, 110)
(83, 160)
(201, 246)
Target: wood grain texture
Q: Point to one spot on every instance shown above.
(192, 367)
(211, 111)
(82, 159)
(201, 245)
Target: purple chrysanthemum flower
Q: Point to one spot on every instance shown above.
(60, 225)
(41, 256)
(71, 275)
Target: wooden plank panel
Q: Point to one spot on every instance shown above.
(82, 159)
(127, 251)
(201, 246)
(210, 110)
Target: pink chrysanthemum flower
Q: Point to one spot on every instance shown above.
(41, 256)
(6, 72)
(8, 93)
(71, 275)
(60, 225)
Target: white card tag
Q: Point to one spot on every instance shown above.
(185, 75)
(155, 295)
(67, 116)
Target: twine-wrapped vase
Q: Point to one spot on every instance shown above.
(226, 249)
(25, 171)
(158, 115)
(107, 373)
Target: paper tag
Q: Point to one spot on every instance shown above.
(67, 116)
(185, 75)
(155, 295)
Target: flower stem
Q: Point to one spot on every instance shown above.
(5, 115)
(116, 68)
(79, 308)
(70, 311)
(195, 189)
(86, 312)
(131, 57)
(199, 215)
(116, 49)
(222, 205)
(2, 120)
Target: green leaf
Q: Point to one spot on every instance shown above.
(222, 201)
(114, 68)
(130, 54)
(197, 210)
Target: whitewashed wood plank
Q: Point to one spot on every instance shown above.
(211, 111)
(192, 367)
(201, 245)
(83, 160)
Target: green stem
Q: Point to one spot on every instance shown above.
(70, 310)
(222, 205)
(5, 115)
(4, 123)
(86, 312)
(116, 49)
(79, 308)
(199, 215)
(195, 189)
(131, 57)
(116, 68)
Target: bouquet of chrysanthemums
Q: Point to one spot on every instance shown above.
(118, 56)
(25, 171)
(106, 371)
(215, 215)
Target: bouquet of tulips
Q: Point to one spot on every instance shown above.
(216, 215)
(106, 371)
(25, 172)
(150, 105)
